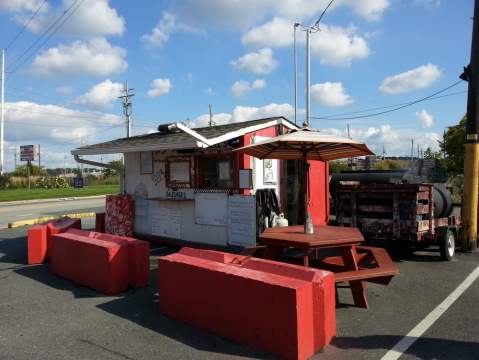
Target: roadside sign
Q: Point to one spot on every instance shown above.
(78, 182)
(27, 152)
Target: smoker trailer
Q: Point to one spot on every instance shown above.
(409, 215)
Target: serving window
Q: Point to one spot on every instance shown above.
(178, 173)
(215, 172)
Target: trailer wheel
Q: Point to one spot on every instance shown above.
(447, 244)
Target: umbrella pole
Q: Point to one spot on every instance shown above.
(308, 222)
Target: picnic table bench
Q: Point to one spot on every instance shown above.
(355, 264)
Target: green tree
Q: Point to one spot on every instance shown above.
(337, 166)
(453, 145)
(430, 154)
(118, 164)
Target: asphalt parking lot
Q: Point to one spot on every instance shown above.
(46, 317)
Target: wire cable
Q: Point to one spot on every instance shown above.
(316, 24)
(391, 110)
(25, 25)
(49, 32)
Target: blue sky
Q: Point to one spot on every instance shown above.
(182, 55)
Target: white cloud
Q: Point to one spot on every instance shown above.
(65, 90)
(277, 32)
(19, 5)
(261, 62)
(369, 9)
(415, 79)
(242, 87)
(162, 31)
(100, 95)
(159, 87)
(426, 119)
(245, 13)
(397, 142)
(245, 113)
(55, 124)
(333, 45)
(93, 57)
(91, 18)
(330, 94)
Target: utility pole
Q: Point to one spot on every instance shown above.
(2, 114)
(308, 77)
(471, 158)
(127, 107)
(349, 135)
(15, 158)
(39, 158)
(412, 148)
(211, 122)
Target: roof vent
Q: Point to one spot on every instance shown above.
(168, 128)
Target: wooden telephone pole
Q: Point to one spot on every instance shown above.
(471, 159)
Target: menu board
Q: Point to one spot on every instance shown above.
(165, 221)
(211, 209)
(142, 215)
(242, 220)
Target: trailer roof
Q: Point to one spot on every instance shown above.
(211, 135)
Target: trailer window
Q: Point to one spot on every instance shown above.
(216, 173)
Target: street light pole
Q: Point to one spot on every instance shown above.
(308, 77)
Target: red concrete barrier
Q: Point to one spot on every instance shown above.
(100, 222)
(284, 309)
(37, 244)
(40, 238)
(100, 265)
(60, 226)
(138, 255)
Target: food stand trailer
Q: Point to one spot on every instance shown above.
(189, 185)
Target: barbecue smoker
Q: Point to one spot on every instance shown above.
(390, 209)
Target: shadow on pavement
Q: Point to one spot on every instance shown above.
(423, 348)
(13, 251)
(142, 309)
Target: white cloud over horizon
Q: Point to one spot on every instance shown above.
(160, 34)
(241, 88)
(246, 13)
(330, 94)
(100, 95)
(426, 119)
(159, 87)
(261, 62)
(91, 18)
(414, 79)
(95, 57)
(333, 45)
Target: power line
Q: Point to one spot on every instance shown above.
(394, 109)
(316, 24)
(49, 32)
(25, 25)
(335, 116)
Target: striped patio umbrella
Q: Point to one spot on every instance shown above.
(306, 144)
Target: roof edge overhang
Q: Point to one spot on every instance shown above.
(129, 149)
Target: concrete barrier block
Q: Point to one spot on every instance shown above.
(60, 226)
(37, 244)
(138, 255)
(94, 263)
(284, 309)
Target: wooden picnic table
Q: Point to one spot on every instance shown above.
(347, 266)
